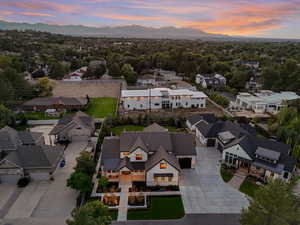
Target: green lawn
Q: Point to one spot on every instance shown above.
(102, 107)
(226, 174)
(38, 116)
(248, 187)
(117, 130)
(161, 207)
(113, 214)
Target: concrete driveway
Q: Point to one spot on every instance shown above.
(45, 129)
(203, 190)
(42, 201)
(59, 200)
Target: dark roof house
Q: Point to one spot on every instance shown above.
(58, 103)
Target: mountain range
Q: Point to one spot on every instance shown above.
(130, 31)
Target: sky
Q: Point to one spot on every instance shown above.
(256, 18)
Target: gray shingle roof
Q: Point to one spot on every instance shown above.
(159, 155)
(29, 138)
(30, 157)
(56, 100)
(193, 119)
(9, 139)
(151, 140)
(155, 128)
(69, 121)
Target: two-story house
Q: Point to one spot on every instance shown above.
(154, 156)
(243, 150)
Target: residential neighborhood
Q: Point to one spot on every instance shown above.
(99, 127)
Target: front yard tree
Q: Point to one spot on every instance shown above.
(80, 182)
(85, 164)
(103, 182)
(7, 117)
(92, 213)
(273, 204)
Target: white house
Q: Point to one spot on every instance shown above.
(154, 156)
(162, 98)
(265, 101)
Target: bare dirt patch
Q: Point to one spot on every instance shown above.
(92, 88)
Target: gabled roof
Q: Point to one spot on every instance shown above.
(159, 155)
(125, 162)
(208, 117)
(9, 138)
(139, 144)
(152, 140)
(69, 121)
(213, 129)
(31, 157)
(155, 128)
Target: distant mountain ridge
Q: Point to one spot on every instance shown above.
(130, 31)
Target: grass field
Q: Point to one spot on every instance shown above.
(102, 107)
(249, 187)
(39, 116)
(161, 207)
(117, 130)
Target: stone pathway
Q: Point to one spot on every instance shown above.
(123, 204)
(237, 180)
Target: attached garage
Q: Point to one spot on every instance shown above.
(211, 142)
(185, 163)
(9, 178)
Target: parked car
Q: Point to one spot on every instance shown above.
(62, 163)
(23, 182)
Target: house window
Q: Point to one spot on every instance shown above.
(125, 153)
(169, 179)
(163, 166)
(156, 104)
(162, 179)
(138, 157)
(155, 179)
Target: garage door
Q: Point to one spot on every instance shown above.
(9, 179)
(80, 138)
(211, 142)
(185, 163)
(39, 176)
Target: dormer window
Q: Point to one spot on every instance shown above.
(163, 166)
(138, 157)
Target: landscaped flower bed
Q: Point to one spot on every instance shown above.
(111, 200)
(110, 187)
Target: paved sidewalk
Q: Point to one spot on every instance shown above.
(123, 205)
(237, 180)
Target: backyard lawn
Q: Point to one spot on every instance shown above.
(161, 207)
(249, 187)
(102, 107)
(117, 130)
(38, 116)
